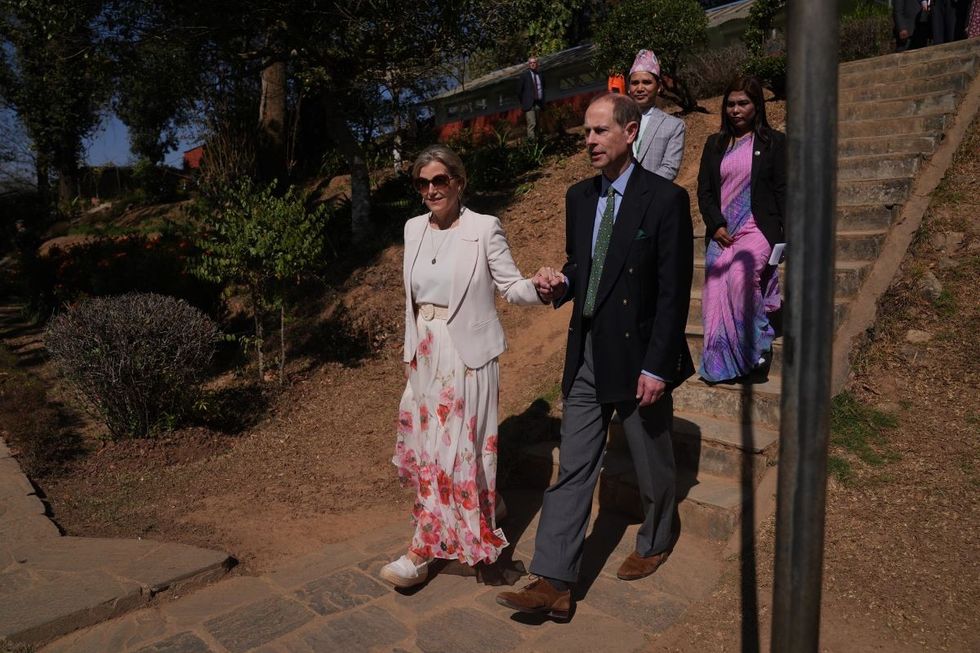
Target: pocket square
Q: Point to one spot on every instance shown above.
(640, 235)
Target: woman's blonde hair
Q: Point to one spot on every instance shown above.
(446, 157)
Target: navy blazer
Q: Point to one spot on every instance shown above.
(525, 91)
(645, 289)
(768, 186)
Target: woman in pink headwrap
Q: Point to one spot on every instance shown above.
(742, 197)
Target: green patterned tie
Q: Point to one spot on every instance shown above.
(599, 256)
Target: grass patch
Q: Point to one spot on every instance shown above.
(858, 429)
(840, 468)
(945, 304)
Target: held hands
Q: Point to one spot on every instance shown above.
(549, 283)
(649, 390)
(722, 237)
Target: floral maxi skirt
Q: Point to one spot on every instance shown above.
(447, 450)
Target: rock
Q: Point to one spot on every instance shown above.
(938, 240)
(953, 240)
(930, 286)
(917, 337)
(946, 263)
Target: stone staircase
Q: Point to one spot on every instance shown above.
(894, 114)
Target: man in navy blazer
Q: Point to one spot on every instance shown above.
(628, 271)
(531, 94)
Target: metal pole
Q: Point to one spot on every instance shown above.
(805, 424)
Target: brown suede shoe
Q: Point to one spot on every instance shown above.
(636, 566)
(539, 597)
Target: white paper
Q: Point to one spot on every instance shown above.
(777, 253)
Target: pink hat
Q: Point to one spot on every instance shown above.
(646, 62)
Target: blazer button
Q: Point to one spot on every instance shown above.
(625, 302)
(627, 334)
(631, 270)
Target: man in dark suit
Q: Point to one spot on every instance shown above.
(531, 95)
(629, 266)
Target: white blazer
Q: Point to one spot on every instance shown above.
(482, 262)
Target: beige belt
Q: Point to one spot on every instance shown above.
(432, 312)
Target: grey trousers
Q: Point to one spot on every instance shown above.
(531, 117)
(567, 504)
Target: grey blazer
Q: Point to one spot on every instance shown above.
(662, 145)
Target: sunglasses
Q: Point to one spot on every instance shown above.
(439, 182)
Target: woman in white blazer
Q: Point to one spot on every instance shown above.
(446, 448)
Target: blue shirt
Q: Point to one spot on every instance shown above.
(619, 186)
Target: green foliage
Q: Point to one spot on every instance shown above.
(159, 75)
(54, 73)
(262, 241)
(673, 29)
(771, 71)
(258, 238)
(761, 17)
(154, 183)
(495, 160)
(136, 360)
(859, 430)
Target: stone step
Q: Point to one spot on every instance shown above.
(895, 128)
(910, 59)
(755, 402)
(695, 313)
(857, 244)
(924, 144)
(942, 63)
(951, 82)
(941, 102)
(848, 276)
(695, 342)
(709, 507)
(871, 217)
(860, 245)
(874, 191)
(877, 166)
(706, 445)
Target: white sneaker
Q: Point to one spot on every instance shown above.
(405, 573)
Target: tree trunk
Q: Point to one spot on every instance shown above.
(360, 182)
(272, 122)
(282, 341)
(41, 168)
(67, 184)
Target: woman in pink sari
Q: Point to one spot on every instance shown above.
(741, 194)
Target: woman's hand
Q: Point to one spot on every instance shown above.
(722, 237)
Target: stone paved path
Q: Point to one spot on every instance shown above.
(51, 585)
(332, 600)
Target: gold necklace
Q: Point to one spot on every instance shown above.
(445, 237)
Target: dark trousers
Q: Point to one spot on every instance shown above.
(943, 21)
(568, 503)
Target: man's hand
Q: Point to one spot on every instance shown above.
(903, 34)
(722, 237)
(649, 390)
(549, 283)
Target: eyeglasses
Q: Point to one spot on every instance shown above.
(439, 182)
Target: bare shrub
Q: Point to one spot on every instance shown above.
(136, 360)
(709, 72)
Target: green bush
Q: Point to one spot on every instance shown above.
(862, 37)
(136, 360)
(771, 71)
